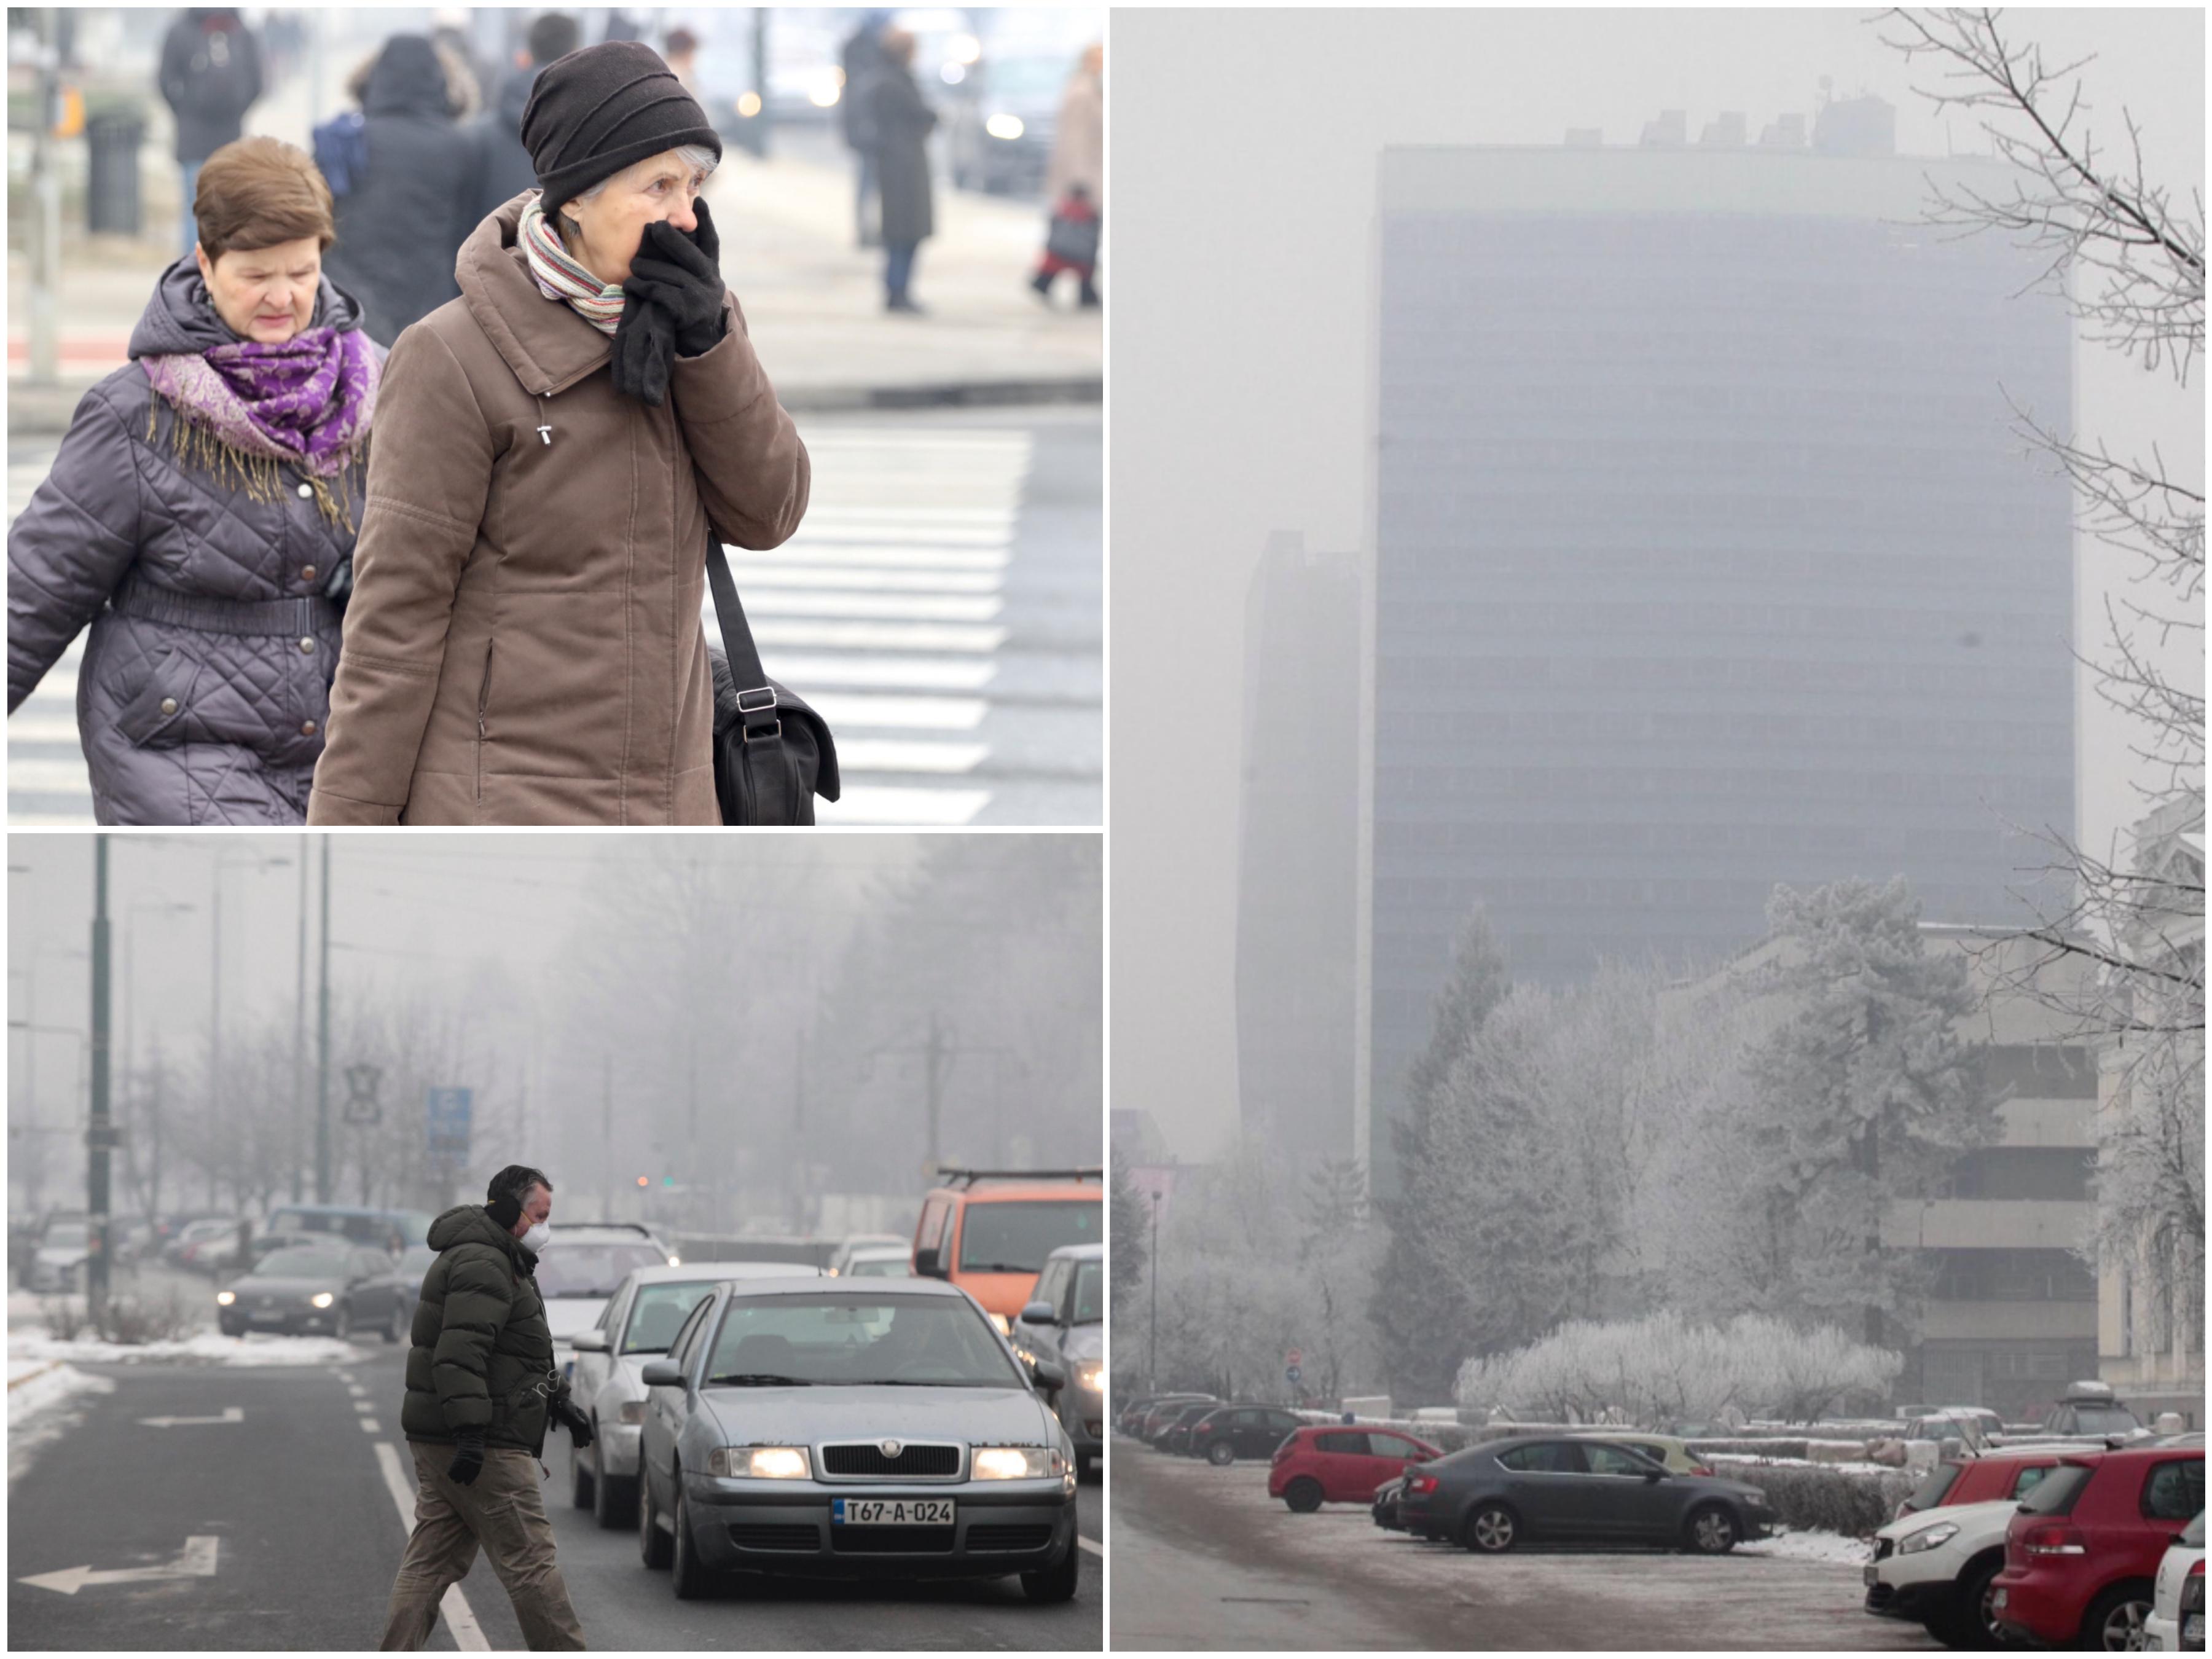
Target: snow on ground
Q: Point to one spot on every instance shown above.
(41, 1395)
(208, 1347)
(1813, 1547)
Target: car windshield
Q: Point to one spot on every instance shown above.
(1090, 1293)
(65, 1236)
(1015, 1236)
(303, 1261)
(2105, 1419)
(592, 1269)
(658, 1312)
(878, 1337)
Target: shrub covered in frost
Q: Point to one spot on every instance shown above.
(1850, 1501)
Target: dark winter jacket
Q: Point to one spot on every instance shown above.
(483, 1354)
(504, 170)
(399, 228)
(181, 726)
(210, 76)
(900, 123)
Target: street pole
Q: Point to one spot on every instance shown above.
(760, 80)
(99, 1137)
(46, 206)
(607, 1139)
(1152, 1342)
(322, 1045)
(154, 1135)
(300, 1024)
(214, 1016)
(933, 1060)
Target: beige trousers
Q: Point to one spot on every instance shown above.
(504, 1512)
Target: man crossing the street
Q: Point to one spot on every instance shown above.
(481, 1384)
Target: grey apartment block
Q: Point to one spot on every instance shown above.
(1707, 558)
(1298, 826)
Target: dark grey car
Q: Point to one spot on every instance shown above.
(387, 1303)
(854, 1428)
(1065, 1322)
(1534, 1489)
(298, 1290)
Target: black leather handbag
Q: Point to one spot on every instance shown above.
(773, 754)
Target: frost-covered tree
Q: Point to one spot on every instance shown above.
(1420, 1341)
(1129, 1223)
(1338, 1259)
(1865, 1096)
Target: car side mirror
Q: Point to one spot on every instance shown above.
(1038, 1313)
(1653, 1477)
(924, 1264)
(1048, 1376)
(662, 1373)
(589, 1342)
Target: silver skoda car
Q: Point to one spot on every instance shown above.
(854, 1428)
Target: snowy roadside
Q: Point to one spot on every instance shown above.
(42, 1398)
(207, 1348)
(1813, 1547)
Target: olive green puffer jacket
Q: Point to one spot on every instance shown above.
(483, 1354)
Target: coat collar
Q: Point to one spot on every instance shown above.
(549, 346)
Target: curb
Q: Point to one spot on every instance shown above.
(51, 1365)
(45, 411)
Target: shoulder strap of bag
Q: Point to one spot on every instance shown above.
(756, 696)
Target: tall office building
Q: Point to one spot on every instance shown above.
(1707, 557)
(1296, 830)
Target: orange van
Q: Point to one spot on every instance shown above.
(989, 1231)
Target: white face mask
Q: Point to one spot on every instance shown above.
(534, 1236)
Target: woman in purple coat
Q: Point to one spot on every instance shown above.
(200, 516)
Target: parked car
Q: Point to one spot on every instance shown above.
(1132, 1420)
(57, 1261)
(1328, 1463)
(179, 1248)
(1670, 1452)
(1388, 1509)
(637, 1324)
(1491, 1497)
(2003, 1471)
(299, 1289)
(853, 1245)
(988, 1232)
(874, 1428)
(388, 1229)
(216, 1247)
(2176, 1624)
(2082, 1551)
(1162, 1417)
(580, 1267)
(1939, 1569)
(1065, 1322)
(998, 136)
(387, 1303)
(1174, 1436)
(2090, 1408)
(1229, 1432)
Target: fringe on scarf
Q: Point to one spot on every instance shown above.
(262, 479)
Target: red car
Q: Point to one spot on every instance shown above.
(1326, 1463)
(2081, 1557)
(1978, 1480)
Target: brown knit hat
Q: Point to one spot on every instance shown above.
(602, 109)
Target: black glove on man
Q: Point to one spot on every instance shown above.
(674, 305)
(572, 1418)
(468, 1457)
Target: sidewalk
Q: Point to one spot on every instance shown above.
(814, 300)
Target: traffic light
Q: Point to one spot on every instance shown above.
(668, 1180)
(644, 1180)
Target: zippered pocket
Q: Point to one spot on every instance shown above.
(483, 700)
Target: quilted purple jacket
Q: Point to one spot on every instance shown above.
(181, 725)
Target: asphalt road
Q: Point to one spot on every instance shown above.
(1204, 1558)
(941, 607)
(307, 1537)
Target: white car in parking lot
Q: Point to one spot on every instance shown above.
(2176, 1624)
(1936, 1567)
(635, 1324)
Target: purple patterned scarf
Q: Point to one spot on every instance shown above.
(306, 402)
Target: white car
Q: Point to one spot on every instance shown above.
(580, 1267)
(853, 1243)
(635, 1324)
(879, 1262)
(58, 1262)
(1937, 1566)
(2176, 1624)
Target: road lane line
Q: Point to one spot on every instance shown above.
(368, 1425)
(1098, 1550)
(363, 1405)
(468, 1635)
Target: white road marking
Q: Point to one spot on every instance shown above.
(363, 1405)
(920, 673)
(852, 708)
(368, 1425)
(468, 1635)
(877, 803)
(1098, 1550)
(196, 1560)
(356, 1391)
(905, 755)
(230, 1414)
(879, 636)
(900, 607)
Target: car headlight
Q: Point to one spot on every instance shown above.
(1092, 1378)
(675, 1261)
(633, 1410)
(322, 1298)
(1927, 1538)
(759, 1463)
(1013, 1463)
(1003, 125)
(224, 1298)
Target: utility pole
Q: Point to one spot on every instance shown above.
(1152, 1261)
(299, 1035)
(607, 1137)
(760, 80)
(154, 1136)
(323, 1046)
(100, 1136)
(46, 210)
(215, 1114)
(937, 1054)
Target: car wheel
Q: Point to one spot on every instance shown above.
(1491, 1529)
(1969, 1622)
(2115, 1621)
(652, 1544)
(1055, 1582)
(582, 1482)
(1709, 1530)
(396, 1331)
(686, 1576)
(1304, 1495)
(1221, 1454)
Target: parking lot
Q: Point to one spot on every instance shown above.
(1204, 1558)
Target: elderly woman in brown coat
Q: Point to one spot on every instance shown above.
(552, 451)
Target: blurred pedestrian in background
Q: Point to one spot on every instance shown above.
(411, 194)
(862, 56)
(680, 51)
(900, 121)
(467, 75)
(200, 516)
(523, 644)
(1075, 181)
(210, 76)
(504, 170)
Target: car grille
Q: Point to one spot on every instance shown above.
(1879, 1596)
(863, 1460)
(891, 1540)
(1004, 1537)
(803, 1536)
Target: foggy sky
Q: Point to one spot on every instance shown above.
(1244, 149)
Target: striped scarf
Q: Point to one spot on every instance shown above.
(559, 276)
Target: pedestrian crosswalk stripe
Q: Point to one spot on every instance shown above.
(803, 673)
(880, 636)
(854, 709)
(867, 577)
(902, 607)
(888, 804)
(896, 755)
(817, 554)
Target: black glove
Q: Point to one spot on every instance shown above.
(468, 1457)
(673, 304)
(572, 1418)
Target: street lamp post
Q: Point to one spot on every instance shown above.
(99, 1135)
(143, 907)
(1152, 1342)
